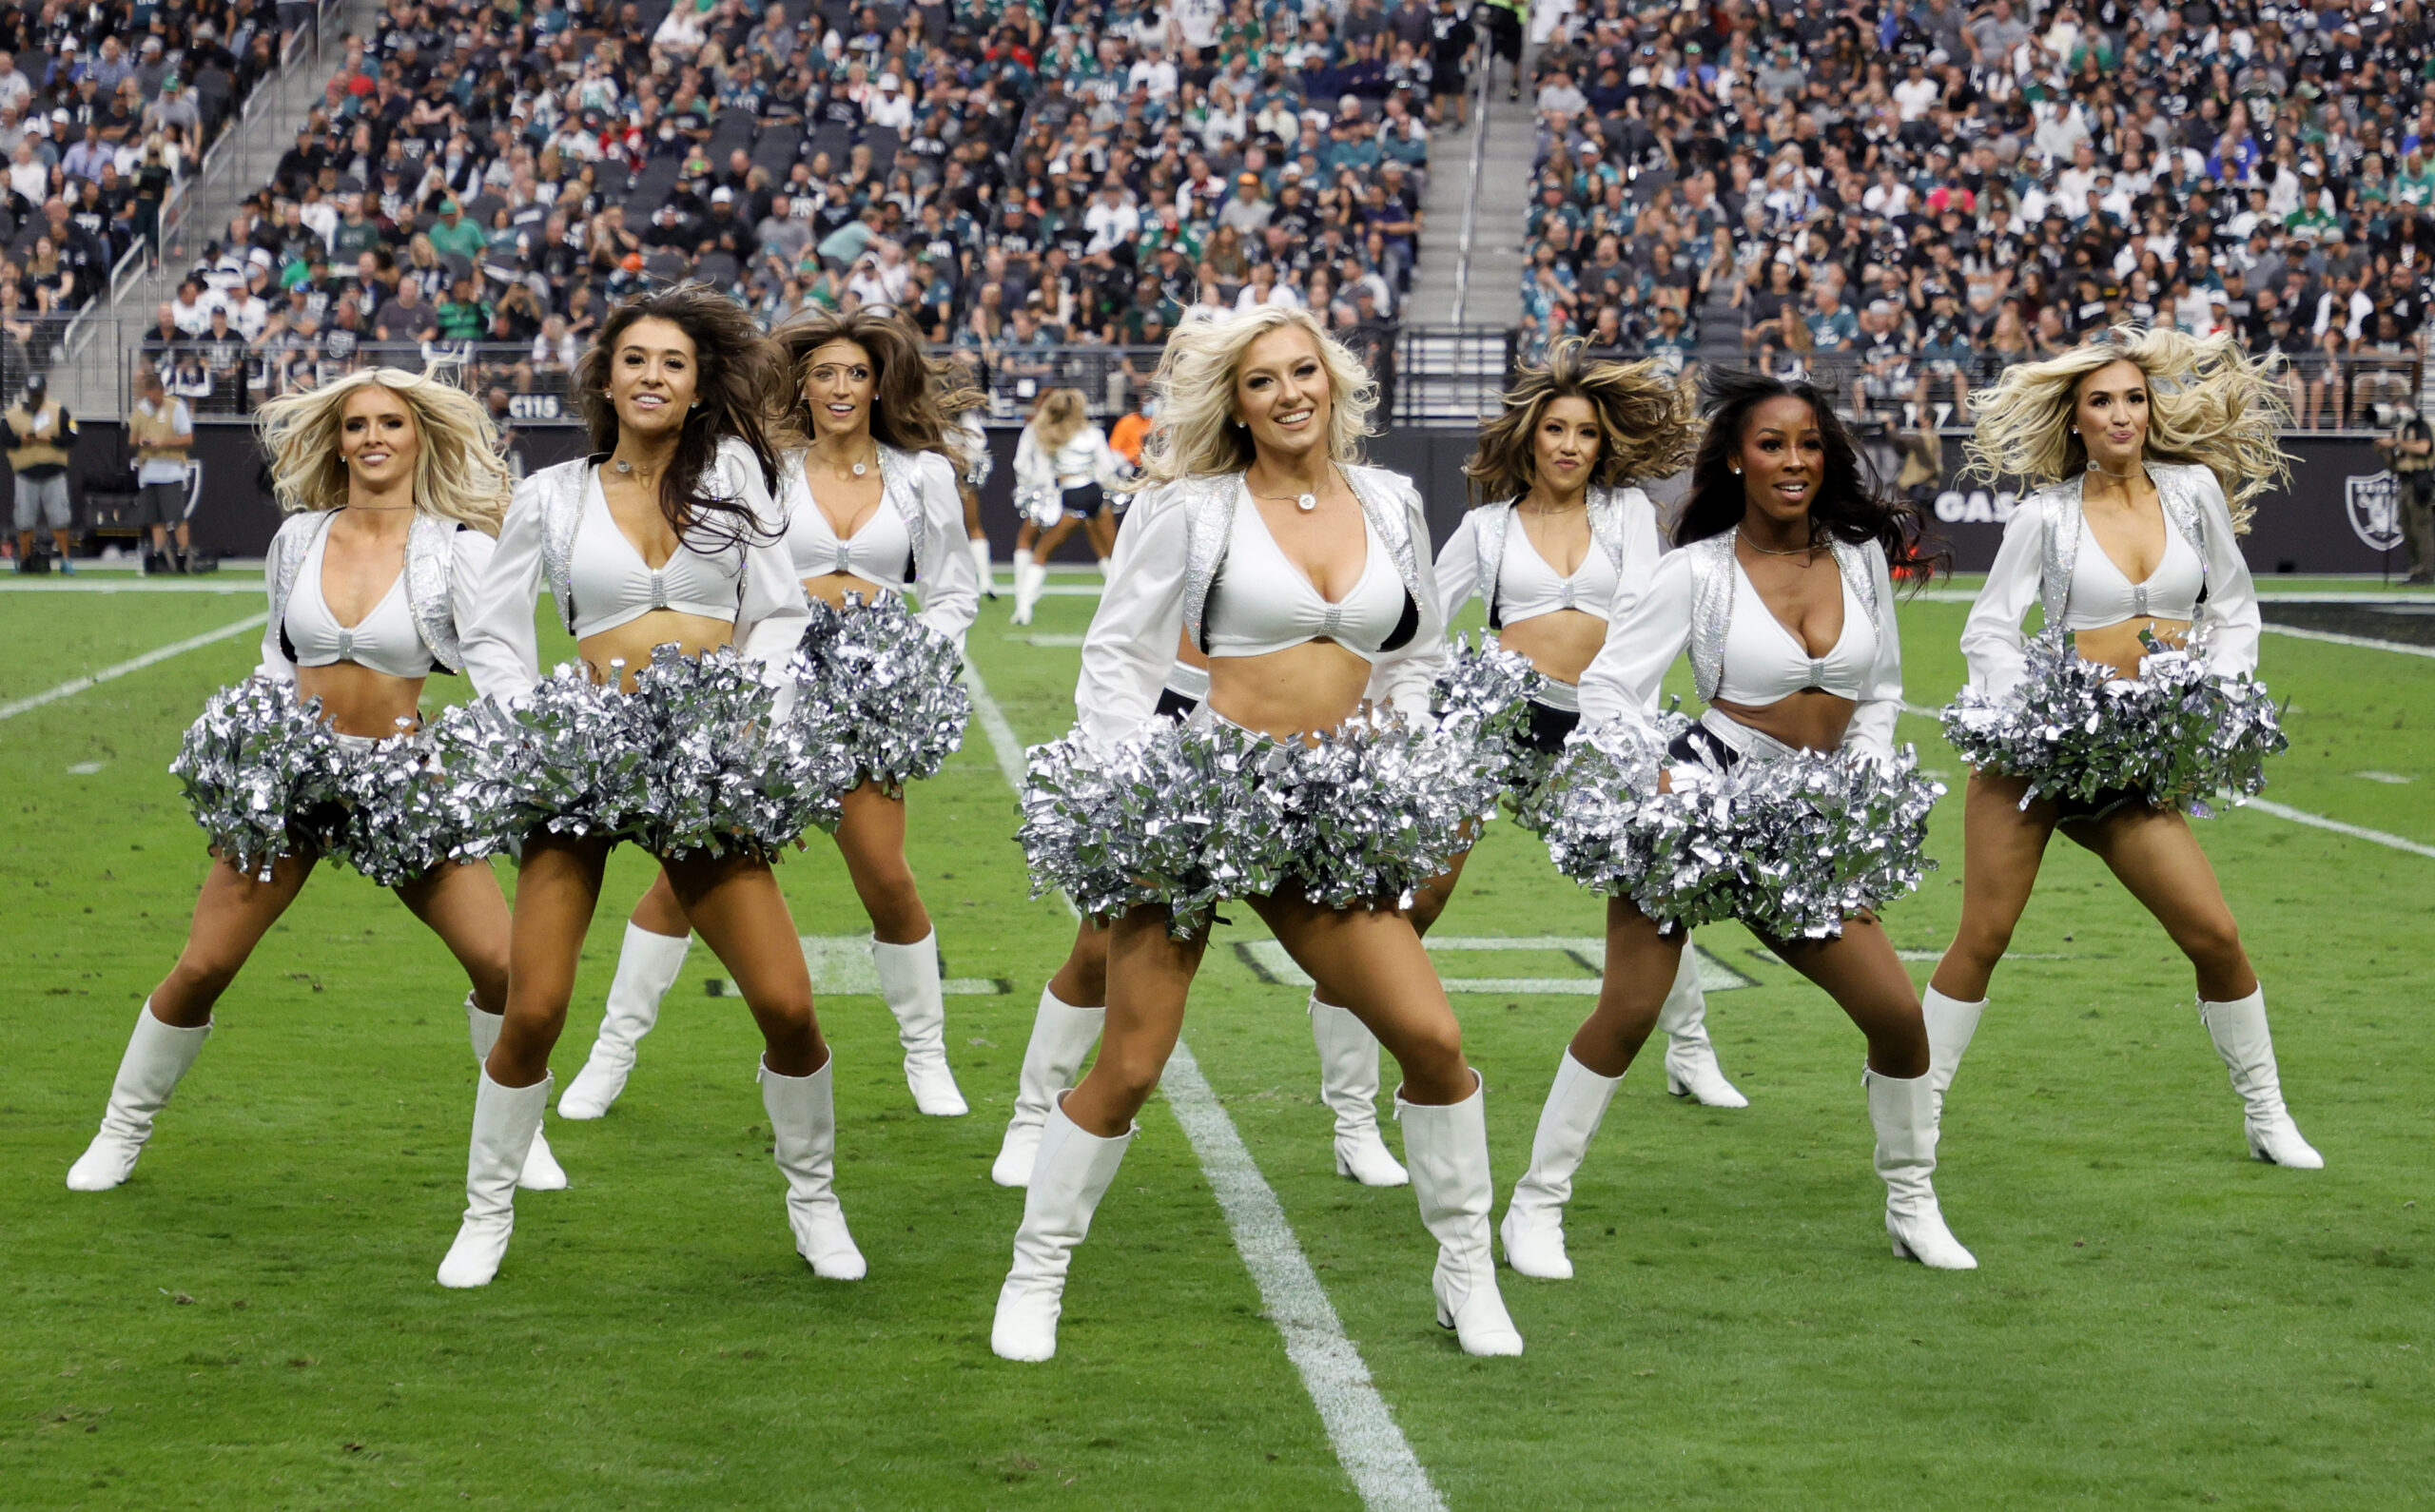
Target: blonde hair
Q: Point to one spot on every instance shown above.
(1196, 385)
(1061, 415)
(2207, 403)
(459, 472)
(1647, 422)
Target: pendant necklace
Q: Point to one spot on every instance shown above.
(1305, 502)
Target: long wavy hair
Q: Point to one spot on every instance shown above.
(1060, 415)
(1648, 426)
(1846, 505)
(1194, 383)
(459, 474)
(912, 395)
(738, 380)
(2208, 404)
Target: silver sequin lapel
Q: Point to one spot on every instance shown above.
(1712, 588)
(1208, 505)
(294, 543)
(431, 561)
(1489, 527)
(900, 478)
(557, 493)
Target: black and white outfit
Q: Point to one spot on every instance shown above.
(2193, 728)
(266, 778)
(883, 681)
(1072, 481)
(1132, 810)
(705, 755)
(1790, 842)
(1490, 554)
(972, 443)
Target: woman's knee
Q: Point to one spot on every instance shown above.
(1081, 983)
(2213, 942)
(1431, 1049)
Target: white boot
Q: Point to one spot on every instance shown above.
(802, 1127)
(1692, 1069)
(1447, 1147)
(1105, 569)
(1062, 1036)
(979, 545)
(908, 981)
(2242, 1038)
(542, 1171)
(647, 968)
(1533, 1227)
(1026, 585)
(1951, 1023)
(157, 1055)
(505, 1119)
(1902, 1110)
(1349, 1086)
(1068, 1179)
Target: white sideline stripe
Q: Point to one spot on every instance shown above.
(2335, 638)
(77, 685)
(77, 586)
(2301, 816)
(1385, 1472)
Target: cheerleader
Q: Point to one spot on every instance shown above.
(673, 731)
(395, 488)
(870, 507)
(1311, 783)
(2138, 702)
(1065, 470)
(973, 466)
(1787, 805)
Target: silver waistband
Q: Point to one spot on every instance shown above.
(1188, 681)
(1566, 696)
(1751, 745)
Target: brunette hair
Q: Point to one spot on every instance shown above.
(1647, 426)
(911, 394)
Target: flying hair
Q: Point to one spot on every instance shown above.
(1195, 384)
(459, 473)
(1648, 425)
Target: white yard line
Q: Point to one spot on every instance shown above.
(2367, 641)
(79, 585)
(77, 685)
(1361, 1427)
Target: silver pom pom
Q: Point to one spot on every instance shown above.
(256, 764)
(887, 684)
(395, 815)
(1790, 847)
(1493, 688)
(2178, 734)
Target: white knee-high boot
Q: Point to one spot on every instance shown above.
(1951, 1023)
(505, 1119)
(1448, 1148)
(647, 968)
(542, 1171)
(157, 1055)
(802, 1128)
(1067, 1180)
(1533, 1227)
(2242, 1038)
(1902, 1111)
(1061, 1038)
(1348, 1087)
(1028, 576)
(908, 981)
(979, 545)
(1692, 1069)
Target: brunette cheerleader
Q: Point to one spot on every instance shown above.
(2138, 702)
(1312, 782)
(1787, 805)
(395, 488)
(870, 507)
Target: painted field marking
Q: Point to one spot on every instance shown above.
(1269, 960)
(842, 963)
(1046, 640)
(2369, 642)
(139, 586)
(1361, 1427)
(2390, 779)
(77, 685)
(85, 768)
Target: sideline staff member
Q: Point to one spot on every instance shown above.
(2410, 450)
(161, 429)
(38, 433)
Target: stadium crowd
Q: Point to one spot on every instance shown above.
(1906, 199)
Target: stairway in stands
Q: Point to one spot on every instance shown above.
(1473, 361)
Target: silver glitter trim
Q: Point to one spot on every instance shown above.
(899, 484)
(1607, 508)
(559, 494)
(1712, 592)
(1393, 508)
(886, 686)
(289, 547)
(1208, 505)
(431, 567)
(1488, 529)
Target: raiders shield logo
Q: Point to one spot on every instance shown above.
(2375, 508)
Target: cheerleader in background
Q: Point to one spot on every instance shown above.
(1312, 782)
(2138, 702)
(973, 464)
(871, 509)
(1065, 470)
(395, 488)
(1787, 805)
(674, 732)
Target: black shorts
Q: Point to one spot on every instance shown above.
(1504, 31)
(2079, 811)
(1174, 706)
(1701, 743)
(1084, 502)
(1548, 727)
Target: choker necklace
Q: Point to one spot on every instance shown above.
(1810, 549)
(2119, 476)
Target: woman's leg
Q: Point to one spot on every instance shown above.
(1149, 976)
(2160, 861)
(2002, 846)
(870, 838)
(977, 540)
(1640, 967)
(1063, 1029)
(231, 914)
(1100, 530)
(904, 948)
(657, 937)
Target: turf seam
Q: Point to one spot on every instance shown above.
(1361, 1427)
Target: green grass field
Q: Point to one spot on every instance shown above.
(2159, 1320)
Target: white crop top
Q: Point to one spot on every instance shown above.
(1528, 585)
(613, 586)
(879, 551)
(2102, 595)
(1765, 661)
(386, 640)
(1261, 602)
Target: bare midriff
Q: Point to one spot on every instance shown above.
(1561, 643)
(832, 589)
(634, 642)
(1306, 690)
(2118, 646)
(1809, 720)
(357, 701)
